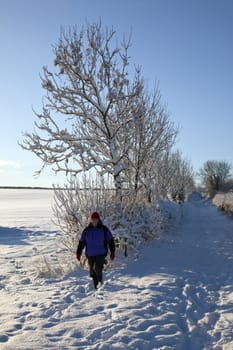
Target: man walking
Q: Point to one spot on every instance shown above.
(96, 239)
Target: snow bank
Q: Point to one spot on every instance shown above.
(224, 201)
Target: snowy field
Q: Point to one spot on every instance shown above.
(177, 295)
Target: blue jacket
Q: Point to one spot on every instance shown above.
(96, 240)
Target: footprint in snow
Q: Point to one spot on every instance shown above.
(81, 290)
(111, 306)
(25, 281)
(3, 338)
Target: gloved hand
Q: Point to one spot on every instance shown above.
(112, 256)
(78, 257)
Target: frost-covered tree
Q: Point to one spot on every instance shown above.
(163, 169)
(214, 175)
(174, 176)
(89, 107)
(153, 133)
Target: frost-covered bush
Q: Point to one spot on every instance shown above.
(47, 267)
(135, 224)
(224, 201)
(73, 204)
(131, 223)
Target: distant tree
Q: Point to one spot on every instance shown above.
(181, 176)
(228, 186)
(214, 175)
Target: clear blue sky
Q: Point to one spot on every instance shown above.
(185, 44)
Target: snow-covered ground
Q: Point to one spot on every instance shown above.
(177, 295)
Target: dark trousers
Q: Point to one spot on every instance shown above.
(96, 264)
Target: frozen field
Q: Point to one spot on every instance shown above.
(177, 295)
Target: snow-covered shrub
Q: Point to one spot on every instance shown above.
(131, 223)
(135, 224)
(73, 204)
(171, 213)
(224, 201)
(46, 267)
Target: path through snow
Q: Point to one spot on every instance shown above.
(177, 295)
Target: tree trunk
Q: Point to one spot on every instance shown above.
(118, 188)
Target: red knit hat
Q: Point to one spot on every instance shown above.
(94, 215)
